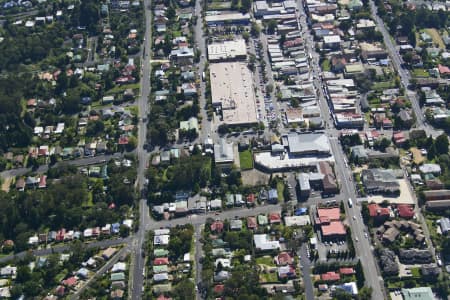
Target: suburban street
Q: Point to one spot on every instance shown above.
(344, 175)
(138, 261)
(403, 73)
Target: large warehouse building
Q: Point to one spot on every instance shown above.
(232, 93)
(228, 50)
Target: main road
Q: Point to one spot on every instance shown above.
(404, 74)
(138, 260)
(362, 244)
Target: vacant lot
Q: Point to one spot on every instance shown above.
(246, 159)
(436, 37)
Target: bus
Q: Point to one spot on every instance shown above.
(350, 202)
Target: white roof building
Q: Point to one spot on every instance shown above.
(262, 243)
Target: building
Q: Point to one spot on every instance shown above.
(303, 185)
(437, 199)
(420, 293)
(227, 50)
(380, 181)
(224, 153)
(380, 214)
(332, 42)
(310, 144)
(444, 224)
(232, 93)
(263, 243)
(227, 19)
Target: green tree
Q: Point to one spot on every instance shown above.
(441, 144)
(271, 26)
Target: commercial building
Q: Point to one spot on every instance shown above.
(223, 153)
(437, 199)
(308, 144)
(233, 94)
(380, 181)
(228, 50)
(227, 19)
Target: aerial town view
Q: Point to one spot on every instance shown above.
(225, 149)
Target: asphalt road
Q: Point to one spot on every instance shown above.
(65, 247)
(136, 281)
(85, 161)
(362, 245)
(306, 271)
(100, 272)
(403, 73)
(198, 256)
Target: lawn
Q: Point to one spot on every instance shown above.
(415, 272)
(246, 159)
(383, 85)
(280, 190)
(326, 66)
(436, 37)
(90, 201)
(265, 260)
(420, 73)
(121, 88)
(268, 277)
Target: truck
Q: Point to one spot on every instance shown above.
(350, 202)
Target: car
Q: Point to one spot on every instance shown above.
(356, 239)
(354, 217)
(366, 235)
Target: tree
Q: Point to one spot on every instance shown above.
(246, 5)
(185, 290)
(441, 144)
(271, 26)
(255, 30)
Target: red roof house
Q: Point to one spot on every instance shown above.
(217, 226)
(70, 282)
(443, 70)
(218, 289)
(347, 271)
(43, 181)
(333, 214)
(376, 211)
(330, 276)
(251, 199)
(284, 259)
(405, 211)
(161, 261)
(251, 223)
(334, 229)
(274, 218)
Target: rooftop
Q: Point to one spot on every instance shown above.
(310, 143)
(227, 50)
(232, 90)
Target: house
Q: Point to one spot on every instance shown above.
(119, 267)
(263, 220)
(236, 224)
(225, 262)
(444, 224)
(160, 277)
(263, 243)
(117, 294)
(380, 214)
(273, 196)
(347, 271)
(108, 253)
(419, 293)
(286, 272)
(284, 258)
(221, 276)
(251, 223)
(8, 271)
(330, 276)
(160, 261)
(274, 218)
(70, 282)
(434, 169)
(218, 289)
(120, 276)
(217, 226)
(405, 211)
